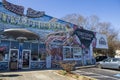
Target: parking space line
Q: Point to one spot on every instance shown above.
(117, 75)
(97, 74)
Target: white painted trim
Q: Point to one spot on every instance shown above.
(29, 58)
(10, 55)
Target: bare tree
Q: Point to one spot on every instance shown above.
(76, 19)
(92, 22)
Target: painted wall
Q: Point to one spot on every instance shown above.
(45, 25)
(42, 26)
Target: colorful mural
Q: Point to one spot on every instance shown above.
(56, 42)
(38, 65)
(58, 39)
(14, 8)
(26, 22)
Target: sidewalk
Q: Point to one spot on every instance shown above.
(33, 75)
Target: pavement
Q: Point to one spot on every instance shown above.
(33, 75)
(100, 74)
(50, 74)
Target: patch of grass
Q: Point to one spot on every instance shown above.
(75, 76)
(62, 72)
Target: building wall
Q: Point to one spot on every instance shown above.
(75, 46)
(44, 24)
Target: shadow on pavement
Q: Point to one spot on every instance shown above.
(27, 70)
(10, 75)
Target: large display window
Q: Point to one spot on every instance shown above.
(72, 53)
(26, 45)
(34, 51)
(42, 51)
(14, 45)
(77, 52)
(68, 54)
(4, 50)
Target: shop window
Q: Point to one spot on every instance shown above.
(34, 52)
(72, 53)
(42, 51)
(67, 53)
(4, 50)
(14, 45)
(26, 45)
(77, 52)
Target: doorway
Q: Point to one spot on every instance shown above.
(13, 59)
(26, 59)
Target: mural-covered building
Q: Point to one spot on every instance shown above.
(36, 40)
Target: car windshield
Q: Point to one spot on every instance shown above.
(107, 60)
(115, 59)
(100, 58)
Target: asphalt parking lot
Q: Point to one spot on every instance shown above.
(100, 74)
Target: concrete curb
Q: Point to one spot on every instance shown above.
(82, 67)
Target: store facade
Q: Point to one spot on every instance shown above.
(36, 40)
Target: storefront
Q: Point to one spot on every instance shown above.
(15, 55)
(36, 40)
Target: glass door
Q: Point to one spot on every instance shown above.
(26, 59)
(13, 59)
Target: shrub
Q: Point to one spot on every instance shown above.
(67, 66)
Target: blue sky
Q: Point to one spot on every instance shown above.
(106, 10)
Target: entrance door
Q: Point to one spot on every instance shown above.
(13, 59)
(26, 59)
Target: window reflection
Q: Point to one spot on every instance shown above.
(26, 45)
(14, 45)
(72, 52)
(69, 53)
(4, 50)
(42, 51)
(34, 51)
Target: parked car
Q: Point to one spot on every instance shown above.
(100, 58)
(113, 63)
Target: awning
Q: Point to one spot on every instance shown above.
(20, 33)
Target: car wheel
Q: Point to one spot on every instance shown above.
(99, 66)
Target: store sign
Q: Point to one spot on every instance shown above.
(20, 10)
(34, 14)
(13, 8)
(101, 41)
(85, 36)
(26, 22)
